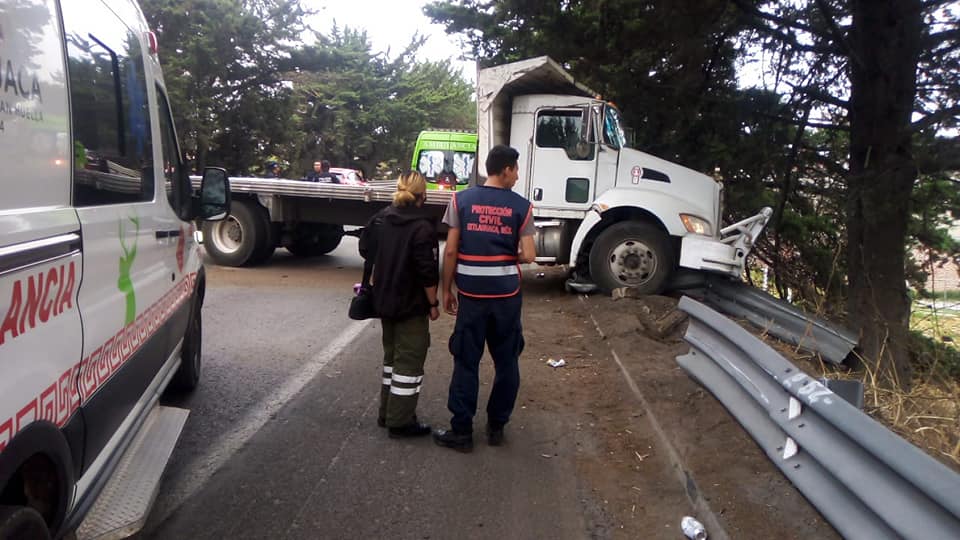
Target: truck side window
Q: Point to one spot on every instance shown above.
(564, 129)
(176, 185)
(112, 147)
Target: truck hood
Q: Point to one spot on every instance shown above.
(695, 192)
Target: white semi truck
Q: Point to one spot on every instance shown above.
(616, 216)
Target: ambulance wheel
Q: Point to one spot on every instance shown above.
(22, 522)
(187, 377)
(235, 240)
(632, 254)
(316, 239)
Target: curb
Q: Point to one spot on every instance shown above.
(682, 473)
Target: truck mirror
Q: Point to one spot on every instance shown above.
(214, 203)
(589, 135)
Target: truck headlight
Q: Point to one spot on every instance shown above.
(696, 225)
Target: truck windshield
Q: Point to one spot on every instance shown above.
(434, 163)
(613, 133)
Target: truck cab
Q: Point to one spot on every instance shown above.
(101, 280)
(617, 216)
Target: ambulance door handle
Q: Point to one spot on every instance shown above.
(168, 234)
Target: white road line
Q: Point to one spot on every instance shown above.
(199, 469)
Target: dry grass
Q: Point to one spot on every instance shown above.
(928, 415)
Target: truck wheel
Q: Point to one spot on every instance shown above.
(235, 240)
(267, 243)
(632, 254)
(315, 240)
(22, 522)
(187, 377)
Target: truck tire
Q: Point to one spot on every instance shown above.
(632, 254)
(267, 243)
(22, 522)
(235, 241)
(316, 239)
(187, 377)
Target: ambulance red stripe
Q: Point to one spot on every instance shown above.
(63, 397)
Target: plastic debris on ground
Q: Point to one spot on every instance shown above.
(556, 363)
(693, 529)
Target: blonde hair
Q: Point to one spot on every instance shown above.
(411, 186)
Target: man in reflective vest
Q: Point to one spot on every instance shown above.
(491, 233)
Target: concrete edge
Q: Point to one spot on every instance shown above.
(700, 505)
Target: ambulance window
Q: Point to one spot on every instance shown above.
(178, 191)
(112, 147)
(564, 129)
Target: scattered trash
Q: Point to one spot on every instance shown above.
(693, 529)
(556, 363)
(540, 275)
(641, 458)
(547, 456)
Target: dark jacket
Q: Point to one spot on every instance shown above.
(325, 177)
(402, 243)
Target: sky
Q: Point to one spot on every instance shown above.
(390, 24)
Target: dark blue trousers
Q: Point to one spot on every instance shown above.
(496, 323)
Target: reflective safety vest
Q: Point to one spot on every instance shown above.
(490, 223)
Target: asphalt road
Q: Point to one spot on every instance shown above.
(282, 442)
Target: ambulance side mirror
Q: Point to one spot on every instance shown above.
(213, 203)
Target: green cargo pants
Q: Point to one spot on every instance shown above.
(405, 344)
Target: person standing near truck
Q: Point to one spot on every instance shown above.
(402, 242)
(491, 233)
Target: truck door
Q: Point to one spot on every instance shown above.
(125, 295)
(563, 168)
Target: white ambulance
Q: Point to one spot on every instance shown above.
(101, 280)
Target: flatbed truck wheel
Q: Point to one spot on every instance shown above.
(238, 239)
(316, 239)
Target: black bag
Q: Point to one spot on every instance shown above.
(361, 305)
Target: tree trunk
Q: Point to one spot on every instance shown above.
(884, 54)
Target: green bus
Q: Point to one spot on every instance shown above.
(445, 158)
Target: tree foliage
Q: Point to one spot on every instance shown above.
(244, 88)
(840, 114)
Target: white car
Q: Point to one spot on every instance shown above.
(101, 281)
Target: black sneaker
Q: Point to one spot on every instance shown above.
(461, 442)
(414, 429)
(494, 435)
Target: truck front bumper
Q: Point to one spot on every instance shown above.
(728, 254)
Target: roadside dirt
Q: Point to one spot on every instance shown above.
(627, 485)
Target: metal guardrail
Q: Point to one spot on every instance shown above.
(781, 319)
(375, 192)
(864, 479)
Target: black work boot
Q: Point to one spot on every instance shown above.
(413, 429)
(494, 435)
(461, 442)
